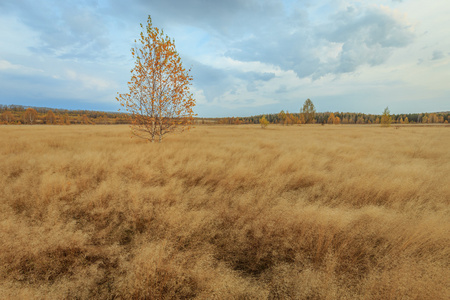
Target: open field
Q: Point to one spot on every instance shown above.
(225, 212)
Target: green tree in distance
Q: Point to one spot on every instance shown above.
(282, 117)
(308, 111)
(386, 118)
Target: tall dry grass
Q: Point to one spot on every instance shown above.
(310, 212)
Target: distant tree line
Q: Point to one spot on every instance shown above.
(17, 114)
(308, 115)
(286, 118)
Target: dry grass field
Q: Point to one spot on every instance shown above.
(225, 212)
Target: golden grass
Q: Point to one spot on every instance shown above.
(233, 212)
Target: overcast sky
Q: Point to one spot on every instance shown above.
(248, 57)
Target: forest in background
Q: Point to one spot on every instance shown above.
(17, 114)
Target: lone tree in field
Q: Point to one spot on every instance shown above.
(308, 111)
(386, 118)
(159, 99)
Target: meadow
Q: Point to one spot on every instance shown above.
(225, 212)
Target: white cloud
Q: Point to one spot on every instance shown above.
(18, 69)
(88, 81)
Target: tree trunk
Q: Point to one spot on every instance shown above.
(153, 129)
(160, 129)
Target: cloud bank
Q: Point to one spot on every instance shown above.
(247, 57)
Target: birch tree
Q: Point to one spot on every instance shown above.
(7, 116)
(30, 116)
(159, 98)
